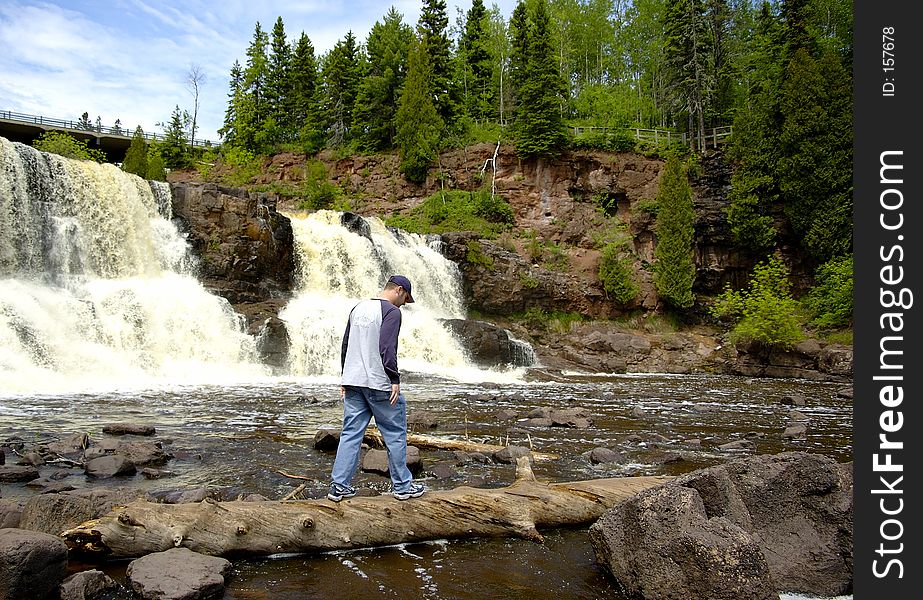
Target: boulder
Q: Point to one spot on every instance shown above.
(729, 531)
(109, 466)
(54, 513)
(32, 564)
(178, 574)
(88, 585)
(129, 429)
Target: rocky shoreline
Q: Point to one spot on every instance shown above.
(720, 532)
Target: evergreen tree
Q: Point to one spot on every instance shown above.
(687, 52)
(539, 125)
(84, 122)
(155, 168)
(136, 156)
(432, 28)
(376, 105)
(674, 270)
(341, 83)
(419, 126)
(815, 170)
(235, 92)
(173, 148)
(278, 80)
(304, 104)
(251, 107)
(478, 62)
(519, 53)
(500, 49)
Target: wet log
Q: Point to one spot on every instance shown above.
(421, 440)
(303, 526)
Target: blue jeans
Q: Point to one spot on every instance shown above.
(360, 404)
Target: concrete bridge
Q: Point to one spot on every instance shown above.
(113, 141)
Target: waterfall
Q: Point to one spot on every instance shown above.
(339, 266)
(98, 287)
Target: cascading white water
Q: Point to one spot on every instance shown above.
(97, 286)
(337, 268)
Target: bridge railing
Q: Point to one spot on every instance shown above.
(658, 136)
(52, 123)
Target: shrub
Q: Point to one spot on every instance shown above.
(615, 275)
(765, 312)
(674, 270)
(316, 192)
(57, 142)
(831, 300)
(457, 210)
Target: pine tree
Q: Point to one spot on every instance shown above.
(84, 122)
(519, 54)
(674, 270)
(432, 28)
(173, 148)
(341, 83)
(278, 80)
(376, 105)
(688, 48)
(539, 125)
(155, 168)
(136, 156)
(229, 128)
(475, 53)
(419, 126)
(304, 104)
(251, 108)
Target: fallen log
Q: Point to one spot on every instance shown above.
(421, 440)
(262, 528)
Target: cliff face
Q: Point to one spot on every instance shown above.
(247, 256)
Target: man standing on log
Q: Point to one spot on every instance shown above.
(371, 386)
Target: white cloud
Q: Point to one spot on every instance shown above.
(129, 59)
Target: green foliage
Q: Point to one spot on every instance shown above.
(432, 28)
(173, 148)
(419, 126)
(245, 166)
(61, 143)
(615, 274)
(457, 210)
(831, 300)
(317, 192)
(155, 169)
(611, 140)
(765, 312)
(674, 270)
(476, 256)
(376, 105)
(554, 321)
(539, 126)
(528, 281)
(136, 156)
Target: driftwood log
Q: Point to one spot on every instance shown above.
(262, 528)
(421, 440)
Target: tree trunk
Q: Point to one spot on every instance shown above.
(421, 440)
(262, 528)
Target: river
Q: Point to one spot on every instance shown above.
(234, 438)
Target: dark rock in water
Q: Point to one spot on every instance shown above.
(109, 466)
(32, 564)
(605, 455)
(746, 529)
(273, 342)
(356, 224)
(178, 574)
(489, 345)
(326, 439)
(129, 429)
(376, 461)
(509, 454)
(15, 473)
(89, 585)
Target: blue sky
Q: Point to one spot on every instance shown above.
(129, 59)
